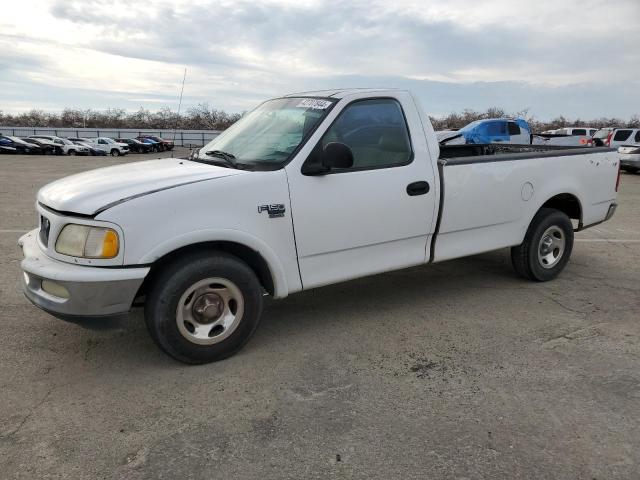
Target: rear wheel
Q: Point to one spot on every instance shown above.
(204, 307)
(546, 248)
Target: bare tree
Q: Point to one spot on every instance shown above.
(205, 117)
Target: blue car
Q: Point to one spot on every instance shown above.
(494, 130)
(155, 146)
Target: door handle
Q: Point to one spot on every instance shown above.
(417, 188)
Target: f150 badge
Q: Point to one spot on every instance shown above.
(275, 210)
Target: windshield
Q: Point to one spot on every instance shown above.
(271, 133)
(470, 126)
(602, 133)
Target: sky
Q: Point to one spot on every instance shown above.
(580, 58)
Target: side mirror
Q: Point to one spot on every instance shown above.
(334, 155)
(337, 155)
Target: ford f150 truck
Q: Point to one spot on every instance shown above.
(306, 190)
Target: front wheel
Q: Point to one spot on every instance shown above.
(71, 152)
(115, 152)
(204, 307)
(546, 248)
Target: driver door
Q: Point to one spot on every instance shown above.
(375, 216)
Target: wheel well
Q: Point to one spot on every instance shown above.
(566, 203)
(251, 257)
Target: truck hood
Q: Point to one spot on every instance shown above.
(92, 192)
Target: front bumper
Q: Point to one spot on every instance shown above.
(90, 291)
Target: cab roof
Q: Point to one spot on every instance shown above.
(341, 92)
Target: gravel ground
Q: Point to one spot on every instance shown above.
(457, 370)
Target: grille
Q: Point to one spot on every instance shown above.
(45, 226)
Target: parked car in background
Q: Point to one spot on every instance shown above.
(67, 146)
(624, 136)
(46, 147)
(6, 149)
(20, 145)
(576, 131)
(563, 139)
(494, 130)
(155, 146)
(136, 145)
(109, 145)
(164, 144)
(85, 142)
(630, 157)
(6, 145)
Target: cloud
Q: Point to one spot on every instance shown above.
(238, 52)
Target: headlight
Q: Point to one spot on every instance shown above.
(87, 242)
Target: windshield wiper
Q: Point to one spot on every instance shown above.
(230, 158)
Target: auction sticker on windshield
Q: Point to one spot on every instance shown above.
(314, 103)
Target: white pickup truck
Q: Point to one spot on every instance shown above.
(306, 190)
(109, 145)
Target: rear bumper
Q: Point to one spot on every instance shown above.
(611, 211)
(630, 160)
(74, 291)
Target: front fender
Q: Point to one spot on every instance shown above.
(225, 235)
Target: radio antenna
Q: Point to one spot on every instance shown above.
(175, 127)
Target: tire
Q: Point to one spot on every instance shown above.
(216, 280)
(71, 152)
(546, 248)
(631, 169)
(115, 152)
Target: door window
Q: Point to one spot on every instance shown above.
(622, 135)
(375, 131)
(637, 139)
(579, 131)
(514, 128)
(497, 128)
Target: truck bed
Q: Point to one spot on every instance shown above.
(490, 195)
